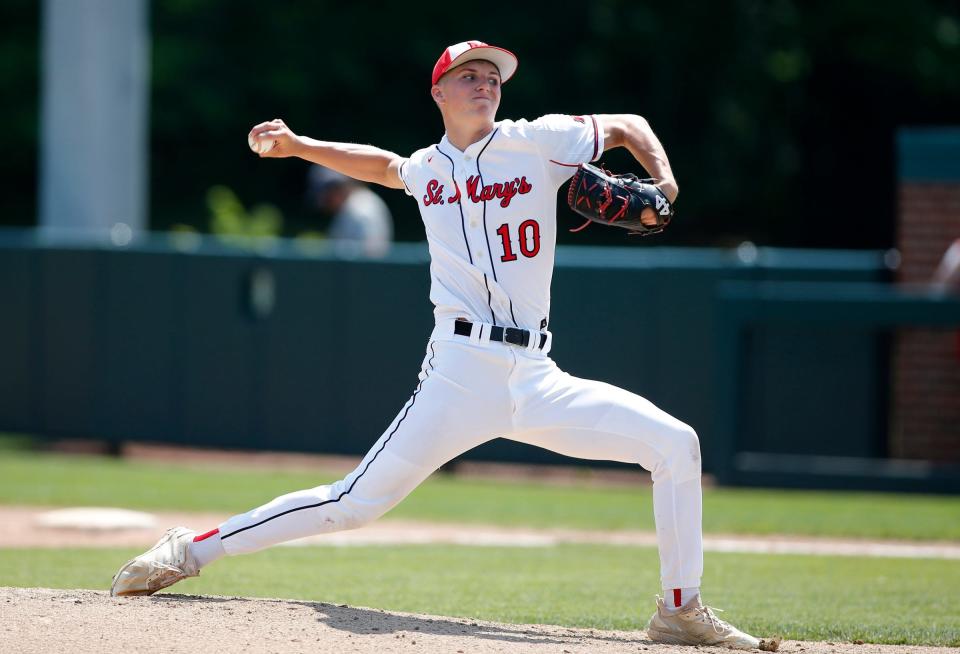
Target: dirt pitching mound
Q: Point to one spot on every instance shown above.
(41, 620)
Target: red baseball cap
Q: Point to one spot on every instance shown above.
(504, 60)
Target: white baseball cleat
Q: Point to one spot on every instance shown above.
(162, 565)
(696, 624)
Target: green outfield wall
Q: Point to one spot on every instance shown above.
(293, 348)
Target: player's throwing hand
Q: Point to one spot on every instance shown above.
(273, 139)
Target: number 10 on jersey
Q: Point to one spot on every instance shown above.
(528, 239)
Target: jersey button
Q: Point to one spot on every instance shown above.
(479, 254)
(474, 223)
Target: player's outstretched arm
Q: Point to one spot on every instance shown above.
(635, 134)
(363, 162)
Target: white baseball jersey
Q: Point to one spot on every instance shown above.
(490, 216)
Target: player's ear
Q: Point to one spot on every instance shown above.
(437, 94)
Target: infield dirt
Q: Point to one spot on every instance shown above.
(40, 620)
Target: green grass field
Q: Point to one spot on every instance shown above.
(800, 597)
(804, 597)
(58, 480)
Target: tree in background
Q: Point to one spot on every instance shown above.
(779, 116)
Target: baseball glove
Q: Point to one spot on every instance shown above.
(619, 200)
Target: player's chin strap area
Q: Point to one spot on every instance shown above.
(484, 333)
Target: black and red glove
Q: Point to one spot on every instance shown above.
(637, 205)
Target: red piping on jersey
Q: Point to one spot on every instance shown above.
(402, 179)
(596, 137)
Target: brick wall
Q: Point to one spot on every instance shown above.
(925, 420)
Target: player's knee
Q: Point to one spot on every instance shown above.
(685, 457)
(338, 509)
(356, 514)
(358, 519)
(350, 517)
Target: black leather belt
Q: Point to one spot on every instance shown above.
(511, 335)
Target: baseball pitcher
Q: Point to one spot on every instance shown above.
(487, 196)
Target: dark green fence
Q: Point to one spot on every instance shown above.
(200, 343)
(773, 429)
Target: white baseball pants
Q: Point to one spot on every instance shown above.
(472, 390)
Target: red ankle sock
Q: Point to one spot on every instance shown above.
(200, 537)
(207, 548)
(676, 598)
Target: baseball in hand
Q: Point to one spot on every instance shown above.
(261, 146)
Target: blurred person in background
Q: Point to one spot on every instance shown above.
(946, 277)
(362, 224)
